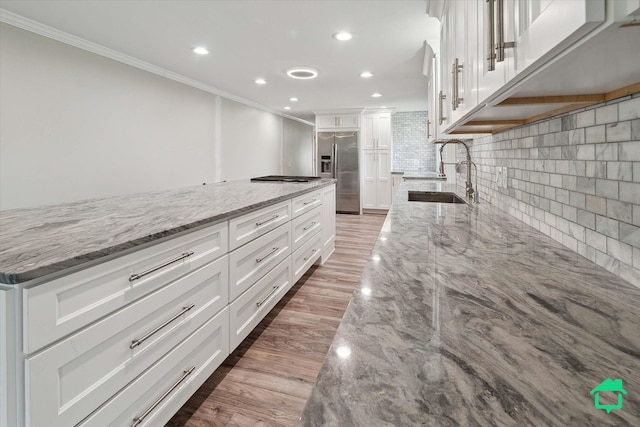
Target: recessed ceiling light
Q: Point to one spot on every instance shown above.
(261, 81)
(200, 50)
(384, 106)
(376, 95)
(287, 108)
(366, 74)
(302, 73)
(294, 99)
(342, 36)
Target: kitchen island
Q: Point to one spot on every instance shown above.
(466, 316)
(114, 311)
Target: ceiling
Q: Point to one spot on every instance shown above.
(250, 39)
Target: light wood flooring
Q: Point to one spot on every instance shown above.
(268, 378)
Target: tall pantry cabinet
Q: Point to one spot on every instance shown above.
(376, 160)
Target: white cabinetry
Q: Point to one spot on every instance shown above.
(128, 341)
(376, 131)
(328, 221)
(338, 121)
(376, 176)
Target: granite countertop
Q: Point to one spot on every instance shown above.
(465, 316)
(39, 241)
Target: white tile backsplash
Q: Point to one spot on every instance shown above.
(574, 177)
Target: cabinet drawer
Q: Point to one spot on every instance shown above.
(304, 257)
(252, 261)
(64, 383)
(57, 308)
(305, 226)
(204, 350)
(247, 227)
(305, 203)
(250, 308)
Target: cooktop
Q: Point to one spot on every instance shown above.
(284, 178)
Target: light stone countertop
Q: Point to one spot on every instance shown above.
(35, 242)
(430, 176)
(465, 316)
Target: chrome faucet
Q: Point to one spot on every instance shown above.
(469, 186)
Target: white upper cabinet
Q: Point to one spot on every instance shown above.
(376, 131)
(544, 27)
(338, 121)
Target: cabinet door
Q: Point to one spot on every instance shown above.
(326, 121)
(4, 348)
(545, 27)
(328, 220)
(369, 173)
(349, 121)
(489, 80)
(384, 131)
(368, 132)
(383, 178)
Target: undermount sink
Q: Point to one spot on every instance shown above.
(434, 197)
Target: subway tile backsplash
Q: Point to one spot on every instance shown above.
(575, 178)
(411, 152)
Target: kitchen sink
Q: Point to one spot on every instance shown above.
(434, 197)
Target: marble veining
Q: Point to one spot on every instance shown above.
(465, 316)
(35, 242)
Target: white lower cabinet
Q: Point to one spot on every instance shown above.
(304, 257)
(249, 263)
(151, 400)
(250, 308)
(81, 372)
(128, 341)
(328, 221)
(376, 186)
(305, 226)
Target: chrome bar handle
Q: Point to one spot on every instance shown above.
(139, 341)
(274, 250)
(441, 117)
(137, 276)
(491, 55)
(309, 202)
(313, 251)
(309, 226)
(456, 69)
(335, 160)
(258, 224)
(259, 303)
(138, 420)
(428, 129)
(501, 45)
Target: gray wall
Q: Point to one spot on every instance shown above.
(411, 152)
(75, 125)
(576, 178)
(297, 148)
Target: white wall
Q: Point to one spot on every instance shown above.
(75, 125)
(297, 148)
(251, 142)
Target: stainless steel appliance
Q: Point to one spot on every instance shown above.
(338, 158)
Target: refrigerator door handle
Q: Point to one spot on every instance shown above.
(335, 160)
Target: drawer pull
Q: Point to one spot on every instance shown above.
(309, 202)
(258, 224)
(151, 270)
(259, 303)
(309, 226)
(313, 251)
(138, 420)
(273, 251)
(139, 341)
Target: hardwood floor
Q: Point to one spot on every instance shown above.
(267, 379)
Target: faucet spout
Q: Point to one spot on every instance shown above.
(469, 185)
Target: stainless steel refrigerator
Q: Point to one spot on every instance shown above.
(338, 158)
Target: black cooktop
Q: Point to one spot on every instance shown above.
(285, 178)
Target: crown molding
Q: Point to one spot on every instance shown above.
(66, 38)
